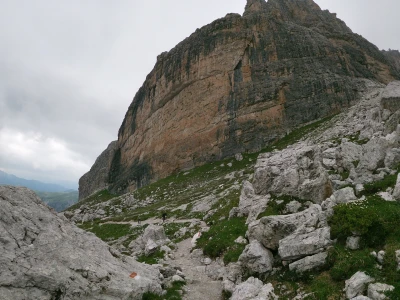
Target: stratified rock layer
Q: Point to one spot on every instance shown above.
(46, 257)
(236, 85)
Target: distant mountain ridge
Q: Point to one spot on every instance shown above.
(9, 179)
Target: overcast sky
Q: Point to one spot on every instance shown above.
(69, 69)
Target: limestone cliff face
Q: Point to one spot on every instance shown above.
(237, 84)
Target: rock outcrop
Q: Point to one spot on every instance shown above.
(44, 256)
(234, 86)
(97, 178)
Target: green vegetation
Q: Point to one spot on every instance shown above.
(220, 239)
(373, 219)
(107, 232)
(151, 259)
(389, 181)
(99, 197)
(59, 201)
(172, 293)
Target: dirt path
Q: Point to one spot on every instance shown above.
(154, 221)
(199, 286)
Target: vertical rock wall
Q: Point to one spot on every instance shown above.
(237, 84)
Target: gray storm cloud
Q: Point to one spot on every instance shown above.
(69, 69)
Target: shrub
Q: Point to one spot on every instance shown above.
(373, 219)
(345, 263)
(222, 236)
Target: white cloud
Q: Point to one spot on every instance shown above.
(40, 156)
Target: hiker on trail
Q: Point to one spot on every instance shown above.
(138, 220)
(164, 216)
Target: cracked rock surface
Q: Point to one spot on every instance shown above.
(44, 256)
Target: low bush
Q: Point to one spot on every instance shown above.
(373, 219)
(222, 236)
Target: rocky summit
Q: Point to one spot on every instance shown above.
(235, 86)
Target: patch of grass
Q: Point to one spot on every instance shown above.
(345, 263)
(345, 174)
(323, 287)
(233, 253)
(381, 185)
(99, 197)
(373, 219)
(151, 259)
(274, 208)
(221, 237)
(107, 232)
(172, 293)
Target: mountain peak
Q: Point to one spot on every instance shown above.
(254, 6)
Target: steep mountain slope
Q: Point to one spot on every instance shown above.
(235, 86)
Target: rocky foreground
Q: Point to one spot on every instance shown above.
(44, 256)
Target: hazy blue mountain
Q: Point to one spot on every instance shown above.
(54, 195)
(59, 201)
(9, 179)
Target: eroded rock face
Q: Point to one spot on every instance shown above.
(97, 178)
(295, 171)
(44, 256)
(237, 84)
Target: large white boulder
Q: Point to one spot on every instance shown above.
(256, 258)
(44, 256)
(250, 204)
(303, 243)
(357, 285)
(309, 263)
(296, 171)
(376, 291)
(253, 289)
(270, 230)
(153, 235)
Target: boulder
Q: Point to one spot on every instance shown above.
(348, 153)
(344, 195)
(391, 96)
(376, 291)
(361, 298)
(256, 258)
(353, 242)
(357, 285)
(151, 247)
(250, 204)
(177, 278)
(270, 230)
(381, 256)
(292, 207)
(396, 191)
(303, 243)
(295, 171)
(397, 253)
(44, 256)
(152, 232)
(253, 289)
(309, 263)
